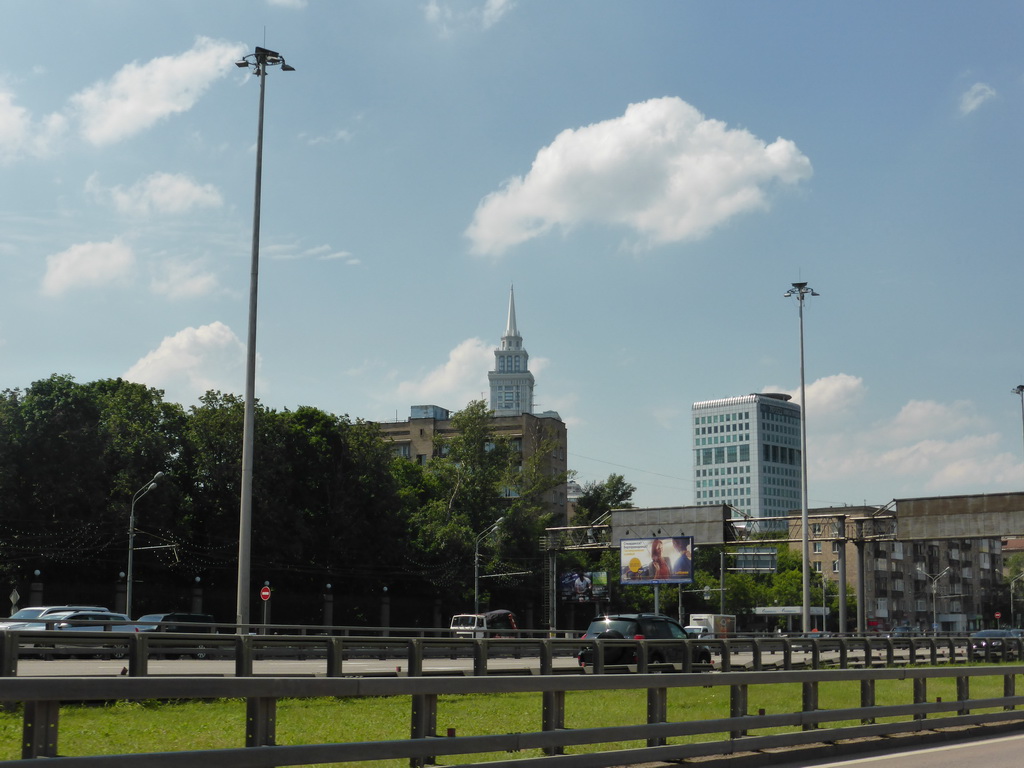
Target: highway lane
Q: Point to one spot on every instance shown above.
(998, 752)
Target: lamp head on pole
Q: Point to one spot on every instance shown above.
(262, 58)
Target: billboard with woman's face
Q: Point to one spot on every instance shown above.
(665, 560)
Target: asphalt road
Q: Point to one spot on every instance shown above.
(1001, 752)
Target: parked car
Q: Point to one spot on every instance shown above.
(993, 644)
(92, 621)
(640, 626)
(175, 622)
(36, 617)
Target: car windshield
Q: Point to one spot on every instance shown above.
(152, 618)
(465, 621)
(28, 613)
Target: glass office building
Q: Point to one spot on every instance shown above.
(746, 453)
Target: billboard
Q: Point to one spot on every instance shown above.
(656, 561)
(583, 586)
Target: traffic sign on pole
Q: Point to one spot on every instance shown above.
(265, 593)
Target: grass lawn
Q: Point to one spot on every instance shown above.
(127, 727)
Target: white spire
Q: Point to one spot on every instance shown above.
(510, 329)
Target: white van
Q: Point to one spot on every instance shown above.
(490, 624)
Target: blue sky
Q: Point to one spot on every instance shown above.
(651, 177)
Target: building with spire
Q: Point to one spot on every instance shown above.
(541, 435)
(511, 381)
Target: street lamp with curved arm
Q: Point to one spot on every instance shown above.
(131, 541)
(476, 561)
(935, 578)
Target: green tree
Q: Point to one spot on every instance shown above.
(600, 498)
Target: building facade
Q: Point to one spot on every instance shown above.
(951, 584)
(746, 454)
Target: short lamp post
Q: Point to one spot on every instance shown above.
(476, 561)
(934, 579)
(130, 576)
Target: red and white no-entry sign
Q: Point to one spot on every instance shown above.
(265, 593)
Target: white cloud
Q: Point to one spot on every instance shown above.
(975, 96)
(451, 16)
(20, 136)
(829, 396)
(87, 264)
(184, 280)
(662, 169)
(140, 95)
(461, 379)
(159, 193)
(193, 361)
(288, 3)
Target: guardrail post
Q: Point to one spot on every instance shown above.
(243, 656)
(913, 651)
(738, 704)
(547, 657)
(920, 693)
(726, 665)
(335, 656)
(963, 693)
(844, 654)
(641, 657)
(657, 712)
(1009, 689)
(480, 657)
(787, 654)
(869, 661)
(810, 702)
(415, 657)
(138, 655)
(890, 653)
(867, 699)
(815, 654)
(9, 662)
(755, 655)
(553, 717)
(39, 729)
(260, 721)
(424, 724)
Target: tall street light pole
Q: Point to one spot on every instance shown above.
(476, 561)
(801, 291)
(129, 587)
(1019, 390)
(257, 62)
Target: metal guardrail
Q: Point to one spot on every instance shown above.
(750, 653)
(739, 731)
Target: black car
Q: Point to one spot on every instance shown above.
(175, 622)
(640, 626)
(993, 644)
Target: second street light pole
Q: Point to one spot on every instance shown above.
(801, 291)
(258, 63)
(476, 562)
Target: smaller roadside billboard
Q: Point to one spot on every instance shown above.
(666, 560)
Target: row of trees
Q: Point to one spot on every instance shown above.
(331, 504)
